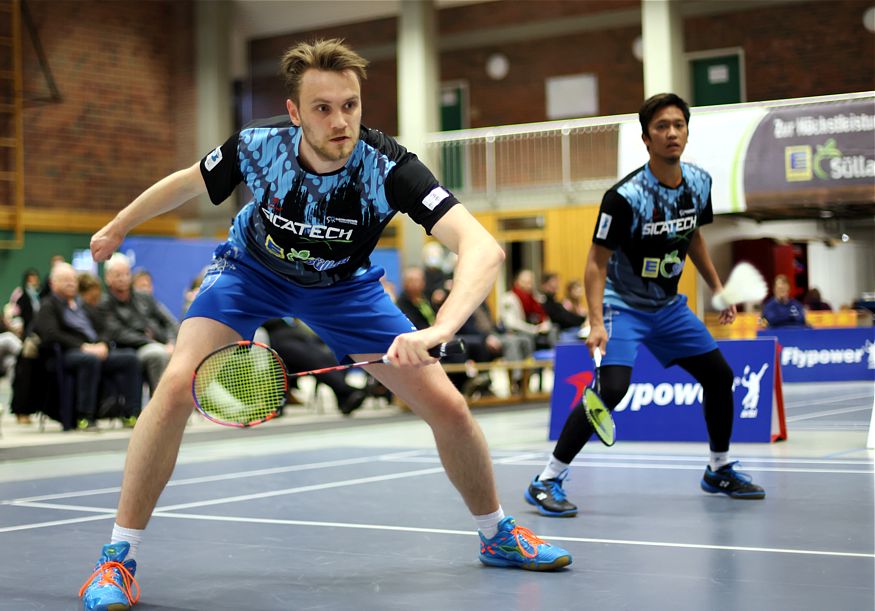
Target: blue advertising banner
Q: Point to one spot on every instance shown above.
(666, 404)
(826, 355)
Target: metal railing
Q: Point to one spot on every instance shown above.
(554, 162)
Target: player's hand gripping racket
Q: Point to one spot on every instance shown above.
(245, 383)
(598, 415)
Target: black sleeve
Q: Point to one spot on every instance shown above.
(411, 188)
(614, 225)
(220, 170)
(707, 215)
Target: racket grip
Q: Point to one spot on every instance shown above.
(597, 357)
(455, 346)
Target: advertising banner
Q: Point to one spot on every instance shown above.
(666, 404)
(761, 157)
(826, 355)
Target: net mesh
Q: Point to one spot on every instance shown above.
(241, 385)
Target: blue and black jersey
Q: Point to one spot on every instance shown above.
(317, 229)
(649, 226)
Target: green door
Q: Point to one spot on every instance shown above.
(716, 80)
(454, 101)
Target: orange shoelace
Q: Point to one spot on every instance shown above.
(106, 574)
(530, 537)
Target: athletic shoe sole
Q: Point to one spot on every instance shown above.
(546, 512)
(560, 562)
(747, 496)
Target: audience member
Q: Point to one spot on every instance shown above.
(523, 315)
(135, 320)
(813, 301)
(574, 300)
(25, 299)
(558, 313)
(91, 291)
(302, 350)
(46, 289)
(412, 300)
(64, 321)
(782, 310)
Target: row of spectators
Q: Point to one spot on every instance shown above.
(107, 343)
(529, 320)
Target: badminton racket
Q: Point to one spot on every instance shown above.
(245, 383)
(744, 284)
(597, 414)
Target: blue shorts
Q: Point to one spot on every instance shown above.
(670, 333)
(354, 316)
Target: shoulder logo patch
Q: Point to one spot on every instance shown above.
(604, 226)
(437, 195)
(213, 159)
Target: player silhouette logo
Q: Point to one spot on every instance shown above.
(751, 381)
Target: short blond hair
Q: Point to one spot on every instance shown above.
(331, 55)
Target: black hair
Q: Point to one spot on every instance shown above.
(657, 102)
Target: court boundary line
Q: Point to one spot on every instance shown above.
(416, 529)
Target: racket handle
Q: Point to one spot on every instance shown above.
(454, 346)
(597, 357)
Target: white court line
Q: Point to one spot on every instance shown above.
(665, 466)
(9, 529)
(441, 531)
(226, 476)
(839, 399)
(830, 412)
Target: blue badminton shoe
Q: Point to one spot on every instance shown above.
(515, 546)
(549, 497)
(733, 483)
(112, 586)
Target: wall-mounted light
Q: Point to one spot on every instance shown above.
(497, 66)
(869, 19)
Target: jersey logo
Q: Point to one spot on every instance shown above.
(670, 266)
(604, 226)
(436, 196)
(671, 227)
(213, 159)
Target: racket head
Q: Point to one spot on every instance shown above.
(599, 417)
(241, 384)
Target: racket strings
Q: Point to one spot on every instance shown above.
(243, 385)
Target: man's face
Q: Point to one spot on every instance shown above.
(782, 289)
(414, 282)
(525, 281)
(118, 277)
(329, 112)
(666, 136)
(64, 282)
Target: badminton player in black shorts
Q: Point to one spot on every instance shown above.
(647, 226)
(324, 187)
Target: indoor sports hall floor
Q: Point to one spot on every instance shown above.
(322, 513)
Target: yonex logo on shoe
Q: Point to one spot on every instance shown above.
(541, 496)
(725, 483)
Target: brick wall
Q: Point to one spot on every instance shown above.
(792, 50)
(125, 72)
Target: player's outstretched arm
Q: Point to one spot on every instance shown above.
(167, 194)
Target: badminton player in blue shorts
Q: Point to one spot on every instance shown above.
(647, 225)
(323, 188)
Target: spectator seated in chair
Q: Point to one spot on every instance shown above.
(136, 320)
(71, 329)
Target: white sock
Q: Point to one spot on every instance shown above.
(132, 536)
(488, 524)
(718, 459)
(553, 469)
